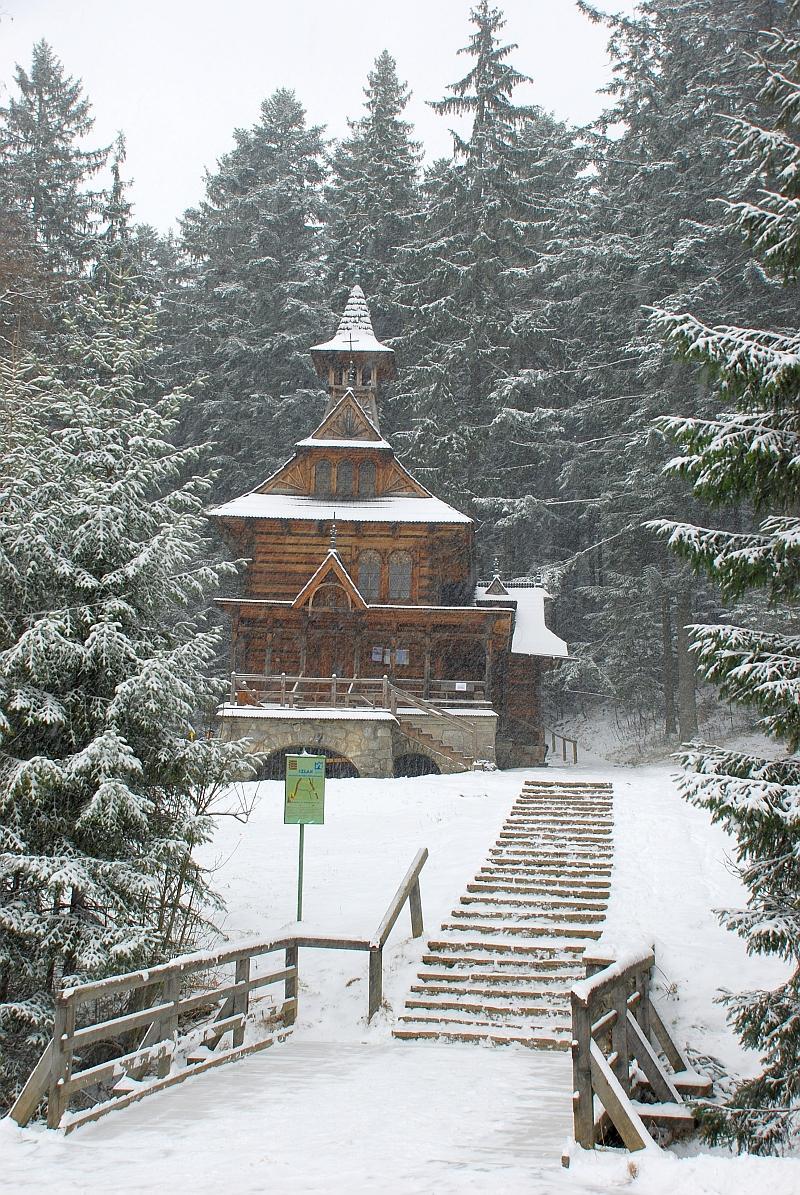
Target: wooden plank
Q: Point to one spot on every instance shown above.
(375, 994)
(625, 1118)
(582, 1104)
(675, 1056)
(56, 1099)
(400, 897)
(170, 1081)
(32, 1093)
(645, 1055)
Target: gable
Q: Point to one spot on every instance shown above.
(347, 421)
(331, 571)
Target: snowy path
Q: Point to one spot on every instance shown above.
(316, 1117)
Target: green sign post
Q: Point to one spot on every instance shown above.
(304, 804)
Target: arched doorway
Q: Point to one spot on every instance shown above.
(415, 764)
(337, 766)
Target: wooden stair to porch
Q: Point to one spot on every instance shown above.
(501, 969)
(435, 743)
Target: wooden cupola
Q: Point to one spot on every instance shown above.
(354, 360)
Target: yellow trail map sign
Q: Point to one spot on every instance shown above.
(304, 798)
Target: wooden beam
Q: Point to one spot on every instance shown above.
(624, 1116)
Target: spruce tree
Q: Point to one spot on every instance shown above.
(465, 268)
(249, 303)
(106, 787)
(747, 453)
(370, 197)
(45, 169)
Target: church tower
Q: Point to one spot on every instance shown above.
(354, 359)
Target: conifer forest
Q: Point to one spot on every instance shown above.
(598, 350)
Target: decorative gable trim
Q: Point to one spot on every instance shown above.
(331, 566)
(347, 421)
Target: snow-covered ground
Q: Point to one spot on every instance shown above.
(342, 1106)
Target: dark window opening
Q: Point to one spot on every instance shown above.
(399, 577)
(366, 480)
(369, 576)
(322, 479)
(344, 479)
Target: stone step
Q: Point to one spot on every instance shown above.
(542, 951)
(501, 1021)
(544, 871)
(557, 997)
(550, 855)
(498, 1008)
(517, 914)
(549, 978)
(552, 893)
(517, 874)
(542, 929)
(498, 1037)
(556, 968)
(545, 837)
(502, 902)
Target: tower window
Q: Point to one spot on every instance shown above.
(366, 479)
(399, 576)
(369, 576)
(366, 375)
(344, 479)
(322, 479)
(338, 376)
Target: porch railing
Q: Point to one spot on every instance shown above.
(300, 692)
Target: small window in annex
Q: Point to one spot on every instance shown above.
(344, 479)
(322, 479)
(399, 576)
(369, 576)
(366, 479)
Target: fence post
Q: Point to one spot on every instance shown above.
(233, 688)
(385, 697)
(333, 689)
(375, 979)
(169, 1023)
(619, 1038)
(574, 750)
(290, 985)
(241, 1001)
(283, 689)
(415, 906)
(582, 1099)
(61, 1060)
(563, 748)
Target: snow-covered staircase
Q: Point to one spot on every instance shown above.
(500, 970)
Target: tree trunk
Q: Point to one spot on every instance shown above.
(687, 704)
(670, 725)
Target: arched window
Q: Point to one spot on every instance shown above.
(322, 479)
(330, 595)
(399, 576)
(366, 375)
(338, 376)
(344, 479)
(366, 480)
(369, 576)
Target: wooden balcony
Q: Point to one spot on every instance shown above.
(353, 692)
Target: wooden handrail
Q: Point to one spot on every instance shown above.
(428, 707)
(613, 1017)
(554, 734)
(54, 1072)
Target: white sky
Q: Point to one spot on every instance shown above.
(177, 76)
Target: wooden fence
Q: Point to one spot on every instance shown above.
(89, 1013)
(614, 1024)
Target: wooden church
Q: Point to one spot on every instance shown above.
(361, 629)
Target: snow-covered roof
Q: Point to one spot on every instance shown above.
(318, 714)
(354, 333)
(403, 508)
(532, 636)
(313, 442)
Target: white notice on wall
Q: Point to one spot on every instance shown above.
(377, 655)
(461, 686)
(402, 655)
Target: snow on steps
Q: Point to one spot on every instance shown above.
(501, 969)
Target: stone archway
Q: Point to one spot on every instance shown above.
(362, 738)
(337, 767)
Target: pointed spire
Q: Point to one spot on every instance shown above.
(333, 533)
(356, 317)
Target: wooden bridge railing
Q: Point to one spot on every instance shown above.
(615, 1023)
(154, 1002)
(253, 688)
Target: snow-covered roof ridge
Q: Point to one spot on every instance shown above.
(355, 332)
(532, 636)
(402, 508)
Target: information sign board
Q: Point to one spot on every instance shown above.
(304, 798)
